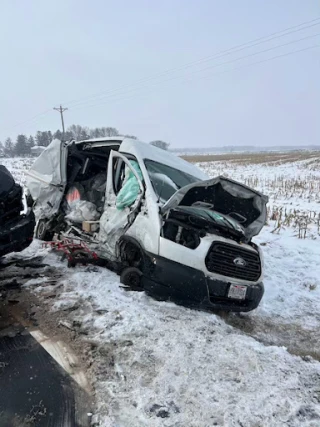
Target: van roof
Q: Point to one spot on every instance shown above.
(143, 151)
(104, 139)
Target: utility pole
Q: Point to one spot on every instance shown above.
(61, 111)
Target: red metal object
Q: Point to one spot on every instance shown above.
(74, 252)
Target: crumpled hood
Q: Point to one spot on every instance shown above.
(227, 197)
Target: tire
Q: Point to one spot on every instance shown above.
(42, 232)
(132, 256)
(131, 277)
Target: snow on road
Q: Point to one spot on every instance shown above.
(158, 364)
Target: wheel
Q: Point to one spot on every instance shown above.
(131, 277)
(131, 256)
(42, 232)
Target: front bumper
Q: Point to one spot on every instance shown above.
(218, 296)
(167, 280)
(18, 234)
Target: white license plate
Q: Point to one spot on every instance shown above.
(237, 292)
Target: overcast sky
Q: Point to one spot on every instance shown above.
(126, 53)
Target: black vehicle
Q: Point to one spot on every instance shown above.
(16, 229)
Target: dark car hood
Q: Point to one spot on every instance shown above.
(10, 197)
(6, 181)
(226, 197)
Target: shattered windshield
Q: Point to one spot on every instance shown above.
(167, 180)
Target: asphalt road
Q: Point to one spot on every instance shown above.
(34, 390)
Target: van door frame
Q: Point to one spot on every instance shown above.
(111, 198)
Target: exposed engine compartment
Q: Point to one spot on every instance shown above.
(218, 206)
(186, 225)
(182, 234)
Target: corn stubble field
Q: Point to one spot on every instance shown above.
(291, 180)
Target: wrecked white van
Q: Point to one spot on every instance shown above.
(161, 221)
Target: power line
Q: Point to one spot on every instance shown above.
(261, 51)
(283, 55)
(289, 30)
(214, 74)
(237, 48)
(211, 67)
(30, 119)
(216, 56)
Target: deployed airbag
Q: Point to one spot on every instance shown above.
(130, 189)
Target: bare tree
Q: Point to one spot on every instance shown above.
(78, 132)
(160, 144)
(58, 135)
(44, 138)
(22, 147)
(8, 147)
(130, 136)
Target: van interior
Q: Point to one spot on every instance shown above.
(87, 166)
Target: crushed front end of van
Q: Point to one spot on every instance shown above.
(206, 255)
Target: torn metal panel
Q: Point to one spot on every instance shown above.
(47, 179)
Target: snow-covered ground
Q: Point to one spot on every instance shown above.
(158, 364)
(292, 265)
(18, 166)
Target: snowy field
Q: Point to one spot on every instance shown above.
(292, 263)
(17, 166)
(157, 364)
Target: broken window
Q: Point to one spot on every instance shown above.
(167, 180)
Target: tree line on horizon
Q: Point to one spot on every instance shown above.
(22, 146)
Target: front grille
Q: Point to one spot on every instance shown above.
(220, 260)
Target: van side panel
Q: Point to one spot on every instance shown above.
(146, 227)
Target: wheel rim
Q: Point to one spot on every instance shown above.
(133, 279)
